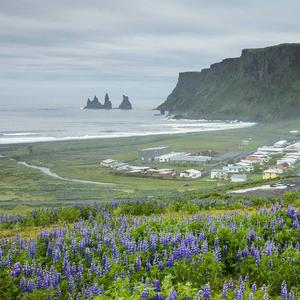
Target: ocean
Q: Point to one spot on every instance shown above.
(29, 125)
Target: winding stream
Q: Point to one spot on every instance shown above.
(48, 172)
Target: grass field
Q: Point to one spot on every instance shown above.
(80, 160)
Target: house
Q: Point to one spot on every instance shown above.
(238, 178)
(218, 174)
(167, 157)
(191, 173)
(247, 167)
(107, 162)
(138, 168)
(281, 144)
(190, 158)
(271, 173)
(271, 150)
(166, 172)
(152, 172)
(293, 147)
(233, 168)
(151, 153)
(288, 161)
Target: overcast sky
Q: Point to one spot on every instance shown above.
(65, 51)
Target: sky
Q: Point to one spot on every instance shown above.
(62, 52)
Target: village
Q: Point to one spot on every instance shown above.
(267, 162)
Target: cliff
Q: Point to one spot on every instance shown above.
(125, 104)
(261, 85)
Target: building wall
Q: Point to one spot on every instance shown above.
(150, 154)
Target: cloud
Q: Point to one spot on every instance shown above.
(136, 45)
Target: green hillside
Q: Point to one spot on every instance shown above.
(260, 85)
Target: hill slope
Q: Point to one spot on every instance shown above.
(261, 85)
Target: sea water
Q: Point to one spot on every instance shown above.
(27, 125)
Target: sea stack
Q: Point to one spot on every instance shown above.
(107, 103)
(125, 103)
(95, 104)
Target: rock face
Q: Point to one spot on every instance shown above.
(107, 104)
(95, 104)
(125, 103)
(261, 85)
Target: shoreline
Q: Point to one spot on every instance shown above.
(26, 138)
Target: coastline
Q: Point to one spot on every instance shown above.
(30, 137)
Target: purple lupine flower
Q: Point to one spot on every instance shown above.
(145, 294)
(71, 285)
(16, 269)
(253, 288)
(284, 291)
(204, 247)
(217, 255)
(230, 284)
(156, 285)
(251, 296)
(30, 286)
(23, 286)
(198, 295)
(138, 263)
(88, 256)
(225, 290)
(239, 255)
(206, 292)
(172, 295)
(238, 294)
(270, 264)
(266, 297)
(291, 295)
(295, 223)
(158, 296)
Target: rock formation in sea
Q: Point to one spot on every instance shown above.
(125, 103)
(94, 104)
(107, 103)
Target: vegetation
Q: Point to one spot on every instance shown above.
(260, 85)
(175, 249)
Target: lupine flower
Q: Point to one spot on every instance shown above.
(145, 294)
(156, 285)
(23, 286)
(16, 270)
(30, 286)
(206, 292)
(225, 290)
(284, 291)
(253, 288)
(238, 294)
(291, 295)
(172, 295)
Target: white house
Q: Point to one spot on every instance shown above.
(107, 162)
(218, 174)
(292, 148)
(280, 144)
(191, 173)
(271, 150)
(238, 178)
(167, 157)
